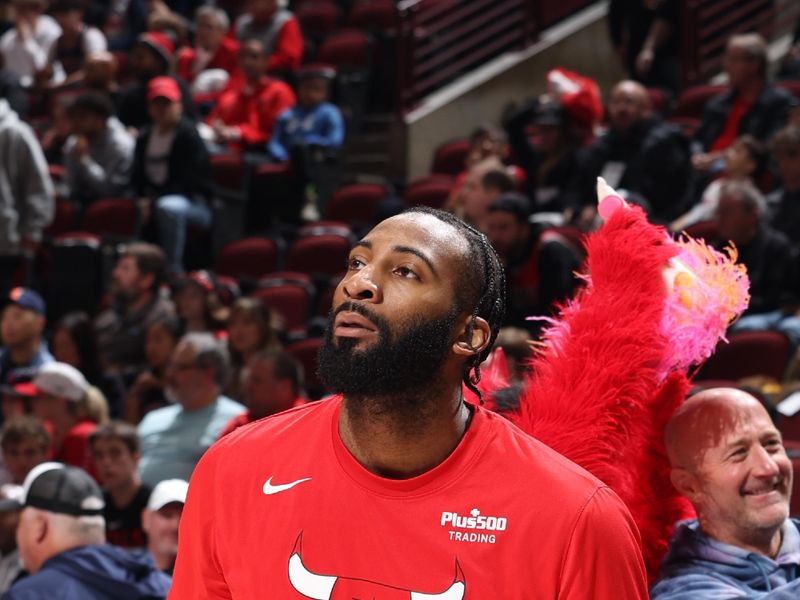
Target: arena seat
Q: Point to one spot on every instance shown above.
(375, 15)
(322, 255)
(450, 158)
(65, 219)
(432, 190)
(305, 352)
(290, 299)
(251, 258)
(692, 101)
(356, 203)
(112, 217)
(318, 19)
(748, 353)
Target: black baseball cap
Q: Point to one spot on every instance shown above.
(59, 488)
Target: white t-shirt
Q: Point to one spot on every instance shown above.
(156, 156)
(26, 57)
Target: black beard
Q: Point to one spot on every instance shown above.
(404, 369)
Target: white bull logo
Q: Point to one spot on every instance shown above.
(332, 587)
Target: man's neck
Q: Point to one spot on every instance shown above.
(767, 543)
(200, 400)
(749, 91)
(124, 493)
(402, 445)
(23, 353)
(139, 303)
(164, 562)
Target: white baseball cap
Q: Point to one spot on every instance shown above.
(62, 380)
(167, 491)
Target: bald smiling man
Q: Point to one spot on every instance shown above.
(728, 459)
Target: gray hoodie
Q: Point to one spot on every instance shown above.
(27, 200)
(699, 568)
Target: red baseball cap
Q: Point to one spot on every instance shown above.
(163, 87)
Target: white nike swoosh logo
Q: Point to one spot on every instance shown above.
(270, 489)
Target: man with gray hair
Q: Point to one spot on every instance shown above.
(770, 258)
(176, 436)
(61, 540)
(213, 51)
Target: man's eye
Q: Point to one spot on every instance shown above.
(353, 264)
(406, 272)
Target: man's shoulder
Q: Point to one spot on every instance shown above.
(159, 418)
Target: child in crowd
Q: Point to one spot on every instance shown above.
(744, 159)
(115, 451)
(312, 121)
(25, 443)
(75, 44)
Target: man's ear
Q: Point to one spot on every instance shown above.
(470, 345)
(685, 482)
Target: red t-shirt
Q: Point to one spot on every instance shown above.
(730, 131)
(281, 509)
(253, 113)
(75, 447)
(226, 58)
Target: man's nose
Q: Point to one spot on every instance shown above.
(765, 463)
(361, 285)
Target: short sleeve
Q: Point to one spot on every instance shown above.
(604, 556)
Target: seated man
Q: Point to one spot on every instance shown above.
(115, 452)
(273, 382)
(784, 203)
(136, 302)
(25, 443)
(279, 32)
(728, 459)
(21, 327)
(212, 49)
(161, 518)
(313, 121)
(61, 539)
(246, 112)
(26, 47)
(99, 153)
(175, 437)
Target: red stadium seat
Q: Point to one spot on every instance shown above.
(345, 48)
(450, 158)
(251, 257)
(356, 203)
(64, 219)
(305, 352)
(116, 217)
(704, 230)
(692, 101)
(374, 15)
(430, 191)
(658, 100)
(320, 255)
(227, 171)
(747, 354)
(318, 19)
(290, 299)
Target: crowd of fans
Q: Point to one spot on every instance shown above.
(132, 100)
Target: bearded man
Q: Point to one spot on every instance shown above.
(395, 487)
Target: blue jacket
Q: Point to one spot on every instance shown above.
(699, 568)
(322, 125)
(94, 573)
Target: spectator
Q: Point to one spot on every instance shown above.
(27, 201)
(115, 452)
(12, 91)
(480, 189)
(67, 58)
(728, 460)
(147, 392)
(548, 155)
(61, 539)
(198, 305)
(25, 443)
(279, 33)
(171, 171)
(273, 382)
(17, 401)
(100, 74)
(539, 266)
(136, 282)
(98, 155)
(517, 346)
(21, 326)
(10, 564)
(175, 437)
(246, 113)
(212, 50)
(770, 259)
(61, 402)
(784, 202)
(161, 518)
(646, 37)
(744, 160)
(74, 342)
(26, 47)
(751, 105)
(313, 121)
(151, 57)
(639, 153)
(250, 330)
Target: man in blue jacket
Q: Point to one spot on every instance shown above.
(728, 459)
(61, 540)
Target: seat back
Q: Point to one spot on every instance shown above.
(319, 255)
(250, 258)
(748, 353)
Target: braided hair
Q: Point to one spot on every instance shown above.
(484, 293)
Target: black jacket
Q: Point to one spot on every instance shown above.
(657, 166)
(189, 168)
(769, 114)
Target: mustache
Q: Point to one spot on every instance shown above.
(350, 306)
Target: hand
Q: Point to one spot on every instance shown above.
(644, 62)
(702, 162)
(81, 146)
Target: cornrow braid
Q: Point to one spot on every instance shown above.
(488, 292)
